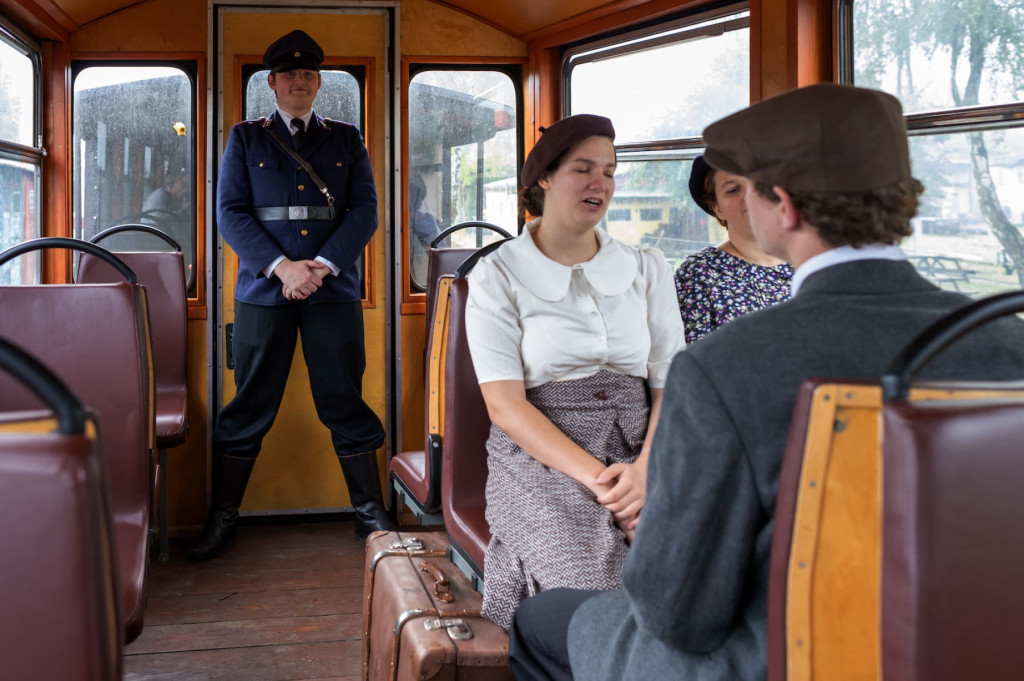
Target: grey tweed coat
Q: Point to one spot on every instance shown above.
(694, 603)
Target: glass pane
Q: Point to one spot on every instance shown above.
(667, 92)
(463, 159)
(652, 207)
(936, 54)
(965, 239)
(19, 219)
(134, 153)
(340, 97)
(17, 105)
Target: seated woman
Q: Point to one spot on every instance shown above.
(571, 334)
(735, 277)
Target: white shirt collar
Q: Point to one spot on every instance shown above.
(843, 254)
(611, 271)
(287, 118)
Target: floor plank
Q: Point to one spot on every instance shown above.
(282, 604)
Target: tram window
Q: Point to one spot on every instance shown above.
(658, 118)
(20, 157)
(134, 155)
(463, 159)
(340, 99)
(340, 96)
(957, 71)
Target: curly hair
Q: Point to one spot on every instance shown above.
(857, 218)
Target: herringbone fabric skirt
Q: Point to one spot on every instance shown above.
(547, 530)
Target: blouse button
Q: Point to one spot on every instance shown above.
(601, 394)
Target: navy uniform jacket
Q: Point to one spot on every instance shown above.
(257, 172)
(696, 578)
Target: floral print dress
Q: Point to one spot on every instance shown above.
(714, 286)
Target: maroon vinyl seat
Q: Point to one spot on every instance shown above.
(416, 474)
(952, 589)
(953, 542)
(162, 273)
(95, 337)
(466, 428)
(60, 615)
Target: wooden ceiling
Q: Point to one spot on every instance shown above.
(526, 19)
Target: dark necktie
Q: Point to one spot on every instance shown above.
(299, 137)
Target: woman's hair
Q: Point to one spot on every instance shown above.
(857, 218)
(531, 199)
(710, 197)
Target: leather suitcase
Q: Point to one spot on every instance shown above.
(421, 616)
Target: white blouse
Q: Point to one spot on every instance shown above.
(531, 319)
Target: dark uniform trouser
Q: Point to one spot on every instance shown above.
(264, 344)
(538, 646)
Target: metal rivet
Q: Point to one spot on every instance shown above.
(802, 565)
(814, 483)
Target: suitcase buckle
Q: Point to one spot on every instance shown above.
(408, 544)
(456, 627)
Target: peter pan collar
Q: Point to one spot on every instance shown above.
(610, 272)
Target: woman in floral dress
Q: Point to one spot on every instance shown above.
(735, 277)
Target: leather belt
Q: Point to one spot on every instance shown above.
(292, 213)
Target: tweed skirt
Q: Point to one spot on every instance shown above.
(547, 530)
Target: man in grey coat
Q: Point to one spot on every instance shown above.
(829, 189)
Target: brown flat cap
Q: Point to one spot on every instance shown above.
(820, 138)
(558, 138)
(295, 50)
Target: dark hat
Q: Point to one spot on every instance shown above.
(295, 50)
(698, 176)
(558, 138)
(820, 138)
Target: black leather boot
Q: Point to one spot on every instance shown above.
(363, 479)
(231, 475)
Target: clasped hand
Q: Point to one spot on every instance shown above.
(622, 488)
(300, 278)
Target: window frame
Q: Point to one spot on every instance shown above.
(949, 121)
(193, 64)
(414, 302)
(34, 153)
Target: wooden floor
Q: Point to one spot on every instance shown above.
(284, 602)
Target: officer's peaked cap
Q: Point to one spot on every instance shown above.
(295, 50)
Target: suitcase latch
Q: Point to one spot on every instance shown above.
(457, 629)
(407, 544)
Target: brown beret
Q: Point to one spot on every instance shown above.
(558, 138)
(820, 138)
(295, 50)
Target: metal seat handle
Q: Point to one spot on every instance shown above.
(136, 227)
(45, 385)
(934, 339)
(75, 245)
(468, 225)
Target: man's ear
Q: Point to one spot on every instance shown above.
(790, 213)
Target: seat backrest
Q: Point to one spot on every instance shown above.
(441, 262)
(466, 429)
(825, 581)
(96, 338)
(163, 275)
(952, 581)
(60, 612)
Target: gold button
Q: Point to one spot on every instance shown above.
(338, 164)
(261, 164)
(301, 187)
(304, 232)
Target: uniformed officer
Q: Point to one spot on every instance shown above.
(298, 247)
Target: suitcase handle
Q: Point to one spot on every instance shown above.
(441, 584)
(935, 338)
